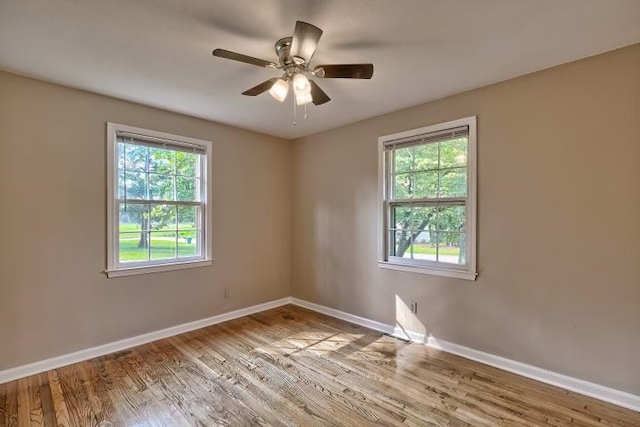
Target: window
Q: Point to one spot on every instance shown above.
(158, 212)
(428, 188)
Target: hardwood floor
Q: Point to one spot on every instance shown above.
(290, 366)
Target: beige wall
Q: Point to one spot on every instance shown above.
(559, 228)
(54, 298)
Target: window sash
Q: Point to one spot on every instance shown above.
(200, 169)
(391, 229)
(442, 136)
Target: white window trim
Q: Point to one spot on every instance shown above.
(113, 268)
(437, 269)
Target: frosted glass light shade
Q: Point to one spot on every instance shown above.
(279, 90)
(303, 98)
(301, 84)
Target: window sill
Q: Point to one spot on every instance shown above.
(457, 274)
(121, 272)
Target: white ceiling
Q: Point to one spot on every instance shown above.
(158, 52)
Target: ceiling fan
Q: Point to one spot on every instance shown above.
(294, 57)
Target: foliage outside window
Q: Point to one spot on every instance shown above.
(428, 183)
(158, 213)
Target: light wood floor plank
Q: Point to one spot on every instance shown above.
(293, 367)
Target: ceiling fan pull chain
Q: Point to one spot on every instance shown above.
(305, 111)
(295, 112)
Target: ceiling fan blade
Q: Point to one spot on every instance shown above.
(227, 54)
(344, 71)
(305, 40)
(262, 87)
(318, 96)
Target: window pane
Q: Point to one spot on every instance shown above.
(161, 187)
(416, 158)
(451, 247)
(186, 163)
(120, 159)
(417, 242)
(188, 244)
(423, 237)
(162, 161)
(451, 218)
(402, 186)
(401, 217)
(403, 160)
(413, 223)
(188, 189)
(453, 153)
(423, 217)
(121, 185)
(187, 217)
(163, 217)
(135, 185)
(133, 226)
(133, 217)
(163, 245)
(425, 157)
(453, 182)
(132, 247)
(426, 184)
(424, 246)
(135, 157)
(402, 246)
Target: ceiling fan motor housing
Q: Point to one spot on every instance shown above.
(283, 48)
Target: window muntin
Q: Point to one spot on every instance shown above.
(429, 197)
(158, 199)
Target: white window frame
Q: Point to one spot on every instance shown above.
(114, 267)
(468, 271)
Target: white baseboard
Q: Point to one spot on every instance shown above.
(617, 397)
(597, 391)
(406, 335)
(620, 398)
(368, 323)
(90, 353)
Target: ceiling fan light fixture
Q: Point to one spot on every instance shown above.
(303, 98)
(301, 85)
(279, 90)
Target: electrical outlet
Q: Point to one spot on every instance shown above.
(414, 308)
(227, 293)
